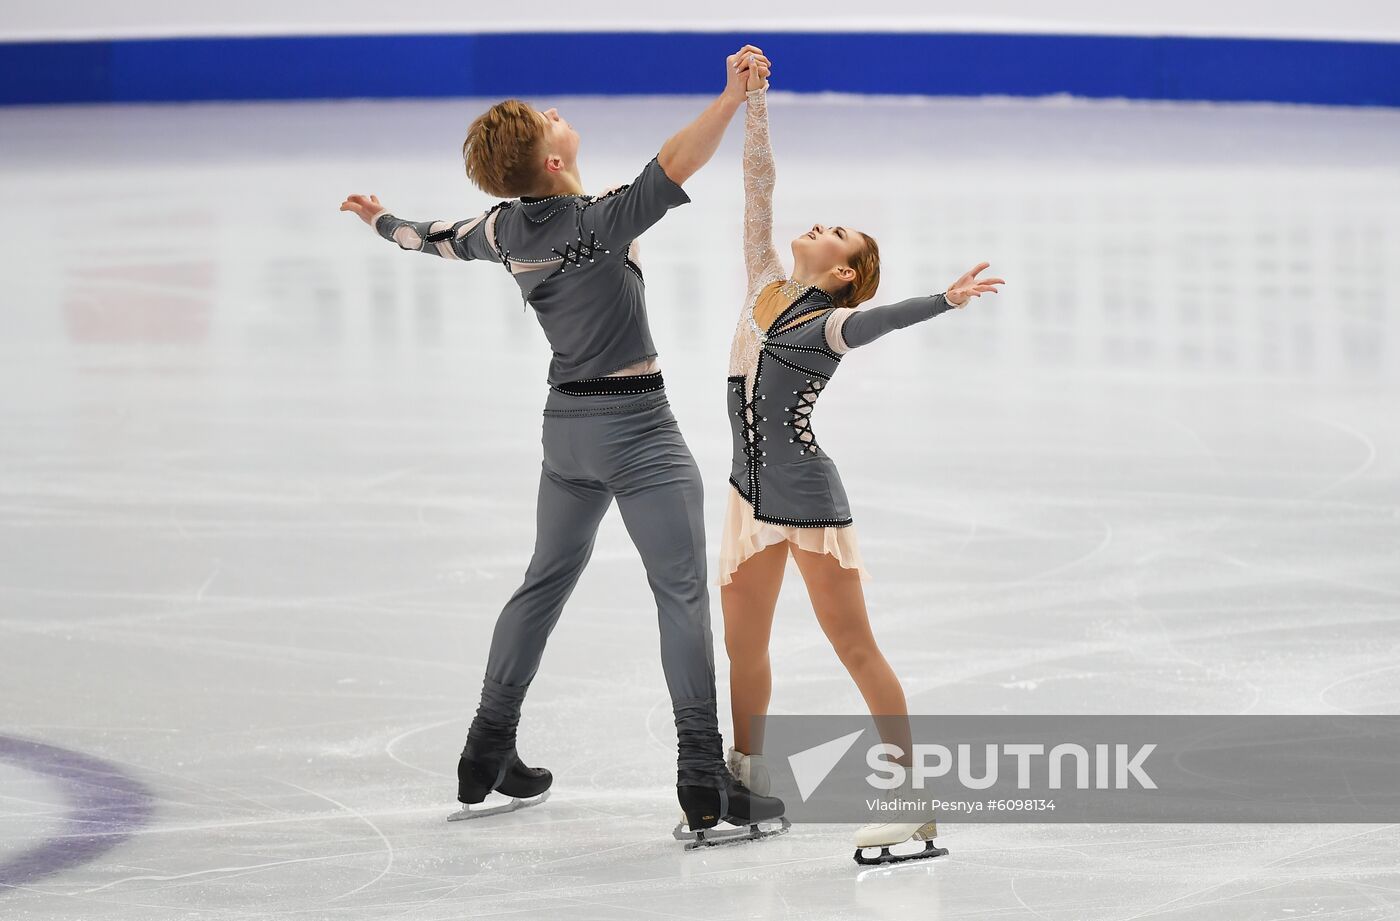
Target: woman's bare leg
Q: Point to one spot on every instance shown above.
(839, 602)
(748, 603)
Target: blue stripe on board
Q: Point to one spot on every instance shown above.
(618, 63)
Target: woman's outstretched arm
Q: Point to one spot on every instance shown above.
(847, 329)
(760, 255)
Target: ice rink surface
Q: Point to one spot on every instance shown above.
(266, 481)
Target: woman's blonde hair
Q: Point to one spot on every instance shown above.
(502, 149)
(866, 264)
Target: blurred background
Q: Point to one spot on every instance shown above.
(266, 480)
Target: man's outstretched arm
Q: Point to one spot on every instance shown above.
(692, 147)
(469, 239)
(623, 214)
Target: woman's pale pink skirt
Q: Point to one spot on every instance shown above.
(744, 535)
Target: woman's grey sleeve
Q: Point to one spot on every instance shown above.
(865, 326)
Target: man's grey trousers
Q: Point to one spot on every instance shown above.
(598, 448)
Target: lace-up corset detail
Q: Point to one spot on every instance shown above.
(801, 413)
(749, 419)
(777, 464)
(573, 255)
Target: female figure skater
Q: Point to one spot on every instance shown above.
(787, 496)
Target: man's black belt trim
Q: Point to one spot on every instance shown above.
(618, 383)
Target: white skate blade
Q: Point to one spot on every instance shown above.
(926, 850)
(726, 833)
(480, 812)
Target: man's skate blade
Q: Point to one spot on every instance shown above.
(929, 851)
(467, 812)
(737, 834)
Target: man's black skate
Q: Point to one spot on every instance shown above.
(749, 815)
(478, 774)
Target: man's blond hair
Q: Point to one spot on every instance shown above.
(502, 150)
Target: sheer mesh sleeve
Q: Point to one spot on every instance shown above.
(760, 255)
(471, 239)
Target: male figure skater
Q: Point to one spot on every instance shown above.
(608, 428)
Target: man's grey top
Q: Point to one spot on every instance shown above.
(569, 254)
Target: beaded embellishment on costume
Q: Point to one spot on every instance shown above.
(803, 436)
(572, 254)
(750, 417)
(761, 262)
(792, 289)
(754, 347)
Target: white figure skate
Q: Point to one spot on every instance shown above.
(892, 834)
(750, 771)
